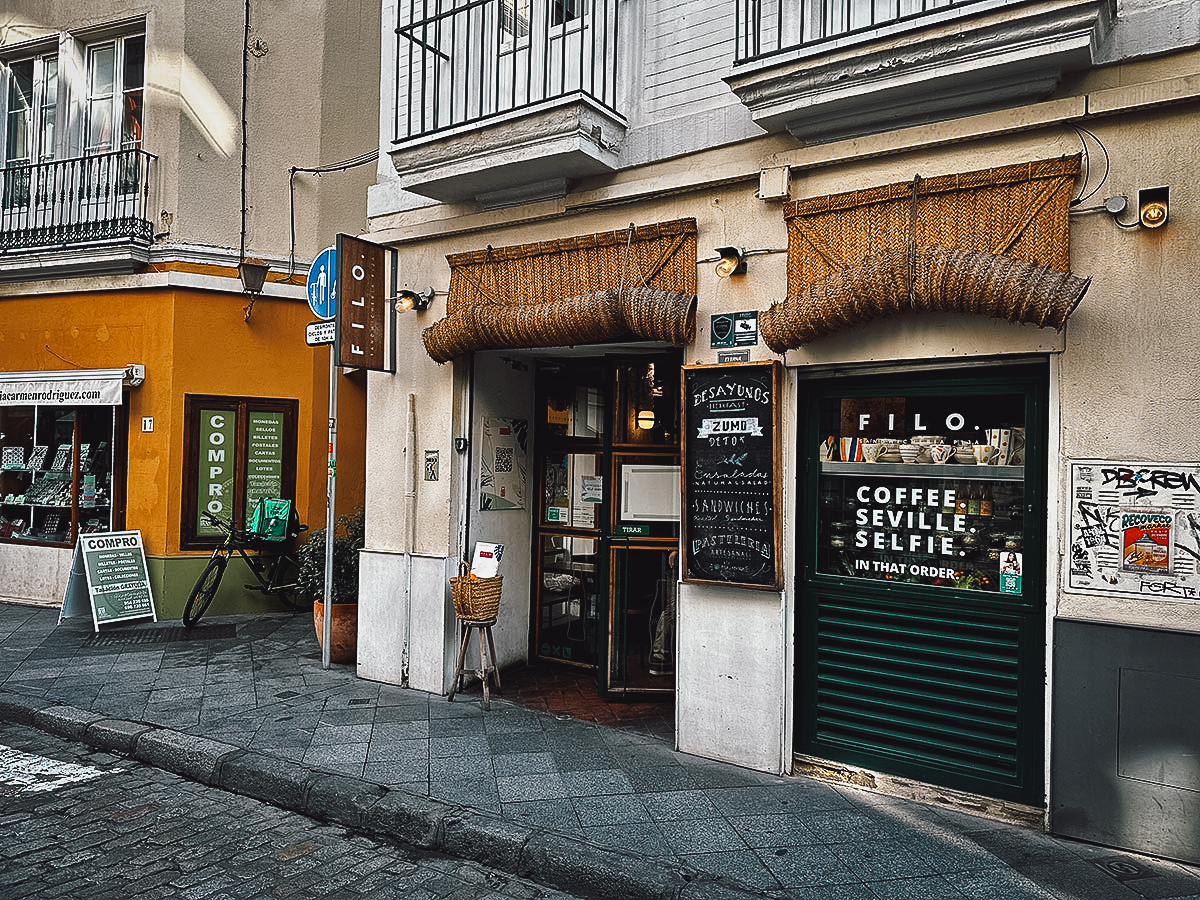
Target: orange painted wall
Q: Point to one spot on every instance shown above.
(193, 342)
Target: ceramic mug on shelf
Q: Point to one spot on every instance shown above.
(982, 453)
(1000, 440)
(1016, 450)
(940, 453)
(826, 449)
(871, 450)
(851, 449)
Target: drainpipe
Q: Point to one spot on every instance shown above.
(410, 528)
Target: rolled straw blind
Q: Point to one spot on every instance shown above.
(633, 284)
(992, 242)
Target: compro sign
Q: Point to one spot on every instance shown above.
(108, 574)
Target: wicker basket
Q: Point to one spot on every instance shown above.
(475, 599)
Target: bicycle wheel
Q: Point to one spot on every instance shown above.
(204, 590)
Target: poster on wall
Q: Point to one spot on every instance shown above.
(504, 463)
(1135, 530)
(731, 531)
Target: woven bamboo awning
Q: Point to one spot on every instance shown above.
(638, 283)
(991, 243)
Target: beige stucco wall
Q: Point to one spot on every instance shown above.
(1123, 376)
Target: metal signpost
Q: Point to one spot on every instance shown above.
(322, 300)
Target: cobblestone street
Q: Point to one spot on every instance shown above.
(104, 827)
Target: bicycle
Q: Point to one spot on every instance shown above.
(267, 547)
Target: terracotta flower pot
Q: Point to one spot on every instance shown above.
(343, 630)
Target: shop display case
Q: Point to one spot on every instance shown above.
(55, 472)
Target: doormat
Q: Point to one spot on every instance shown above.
(166, 635)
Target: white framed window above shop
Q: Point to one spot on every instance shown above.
(31, 109)
(115, 81)
(47, 117)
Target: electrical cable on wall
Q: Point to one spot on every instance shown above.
(354, 162)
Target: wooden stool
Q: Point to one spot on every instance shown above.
(484, 627)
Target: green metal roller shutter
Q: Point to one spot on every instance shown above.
(913, 689)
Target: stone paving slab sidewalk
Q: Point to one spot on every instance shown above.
(243, 703)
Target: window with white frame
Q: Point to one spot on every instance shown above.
(31, 110)
(115, 78)
(39, 125)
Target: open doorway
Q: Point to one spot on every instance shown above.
(606, 529)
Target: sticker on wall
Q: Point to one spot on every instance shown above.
(504, 463)
(1135, 530)
(432, 464)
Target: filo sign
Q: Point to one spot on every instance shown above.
(365, 333)
(731, 475)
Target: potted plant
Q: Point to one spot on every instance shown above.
(347, 541)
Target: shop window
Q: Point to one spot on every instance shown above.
(57, 473)
(238, 450)
(923, 490)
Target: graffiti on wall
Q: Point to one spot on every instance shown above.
(1135, 530)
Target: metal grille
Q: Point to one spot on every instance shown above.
(465, 62)
(937, 689)
(765, 27)
(167, 635)
(90, 199)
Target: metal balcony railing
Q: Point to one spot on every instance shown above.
(461, 62)
(85, 200)
(766, 27)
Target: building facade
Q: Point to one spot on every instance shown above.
(823, 363)
(149, 149)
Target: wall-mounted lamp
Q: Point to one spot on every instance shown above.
(1153, 208)
(253, 274)
(645, 419)
(418, 300)
(733, 261)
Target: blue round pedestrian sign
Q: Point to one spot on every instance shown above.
(322, 284)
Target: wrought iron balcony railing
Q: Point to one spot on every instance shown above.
(86, 200)
(767, 27)
(461, 63)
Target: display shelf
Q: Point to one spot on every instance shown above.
(925, 470)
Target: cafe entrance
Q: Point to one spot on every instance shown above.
(921, 625)
(606, 532)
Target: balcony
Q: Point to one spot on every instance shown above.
(75, 216)
(828, 70)
(501, 101)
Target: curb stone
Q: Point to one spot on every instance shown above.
(192, 757)
(556, 860)
(341, 798)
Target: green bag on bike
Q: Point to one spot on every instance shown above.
(272, 520)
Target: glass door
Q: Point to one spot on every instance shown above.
(569, 563)
(608, 524)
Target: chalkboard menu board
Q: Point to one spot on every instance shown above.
(731, 475)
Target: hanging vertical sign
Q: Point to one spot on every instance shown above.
(731, 486)
(365, 274)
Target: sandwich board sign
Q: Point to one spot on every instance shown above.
(108, 579)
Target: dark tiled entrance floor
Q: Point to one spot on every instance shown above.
(566, 692)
